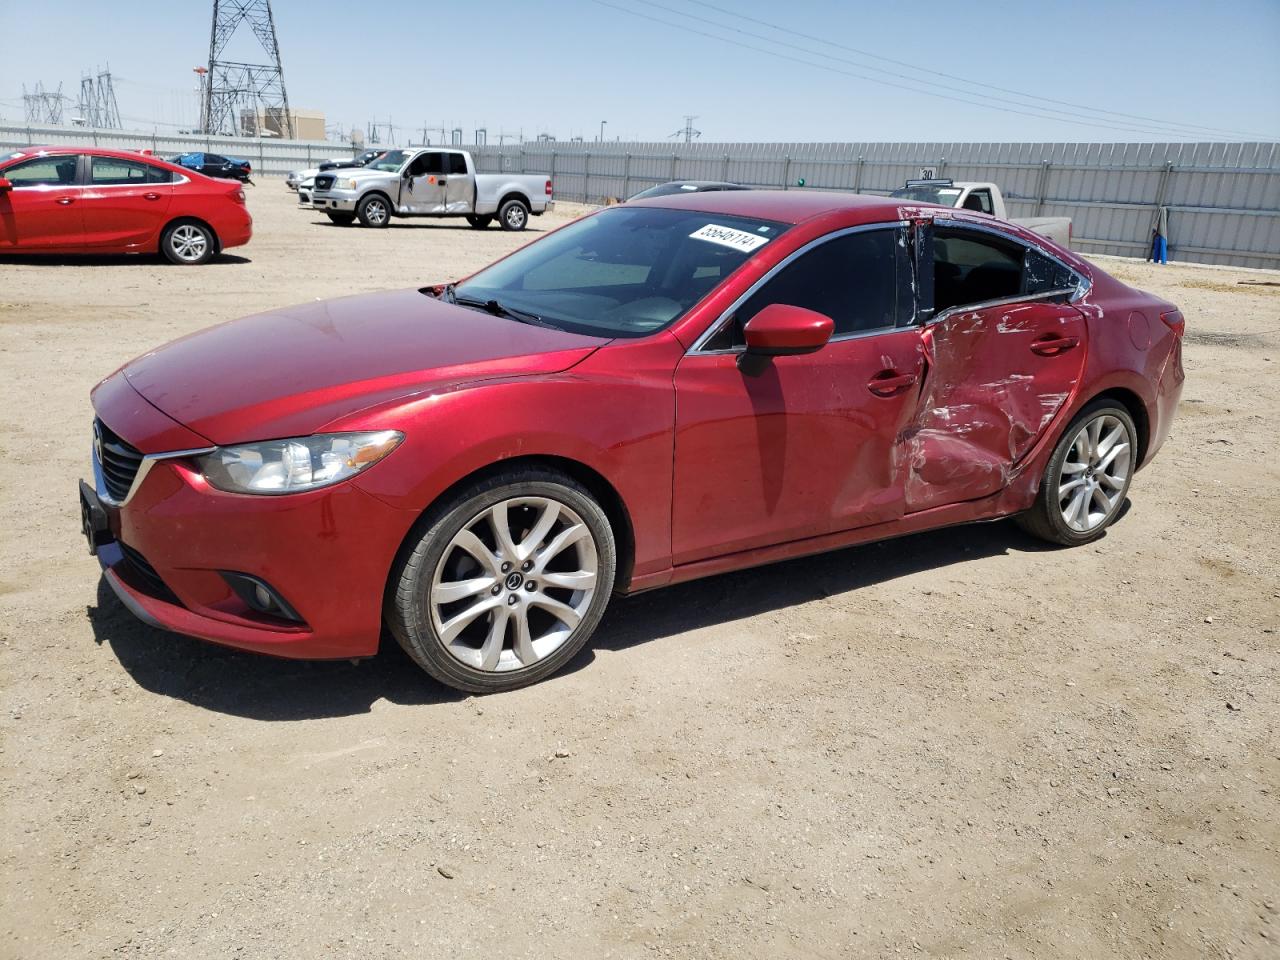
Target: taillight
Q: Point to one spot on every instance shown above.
(548, 188)
(238, 196)
(1174, 320)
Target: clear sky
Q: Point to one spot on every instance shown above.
(562, 66)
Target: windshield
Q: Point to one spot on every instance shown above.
(625, 272)
(391, 161)
(947, 196)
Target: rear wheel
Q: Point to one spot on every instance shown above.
(374, 210)
(1087, 477)
(504, 584)
(341, 217)
(187, 243)
(479, 221)
(513, 215)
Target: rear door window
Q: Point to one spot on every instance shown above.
(973, 267)
(457, 164)
(113, 171)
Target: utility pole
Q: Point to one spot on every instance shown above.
(602, 123)
(233, 85)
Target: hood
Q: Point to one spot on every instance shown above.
(358, 173)
(292, 371)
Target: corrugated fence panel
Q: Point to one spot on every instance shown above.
(1223, 198)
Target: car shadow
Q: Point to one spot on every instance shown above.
(422, 226)
(112, 260)
(264, 688)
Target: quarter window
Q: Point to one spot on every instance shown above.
(43, 171)
(104, 171)
(856, 279)
(457, 164)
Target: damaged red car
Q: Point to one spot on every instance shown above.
(664, 390)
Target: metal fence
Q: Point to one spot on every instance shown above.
(270, 157)
(1223, 198)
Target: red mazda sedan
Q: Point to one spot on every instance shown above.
(60, 200)
(664, 390)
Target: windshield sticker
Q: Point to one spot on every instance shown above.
(729, 237)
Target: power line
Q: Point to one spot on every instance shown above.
(1100, 124)
(1161, 128)
(951, 76)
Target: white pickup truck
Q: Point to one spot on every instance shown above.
(429, 183)
(984, 198)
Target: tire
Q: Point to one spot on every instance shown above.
(341, 217)
(188, 243)
(513, 639)
(513, 215)
(1077, 517)
(374, 210)
(479, 221)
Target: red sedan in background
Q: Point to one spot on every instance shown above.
(664, 390)
(60, 200)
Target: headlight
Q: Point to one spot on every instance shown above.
(347, 184)
(290, 466)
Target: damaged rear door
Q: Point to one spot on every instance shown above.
(1004, 352)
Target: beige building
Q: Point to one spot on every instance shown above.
(307, 124)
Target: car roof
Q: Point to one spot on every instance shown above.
(782, 206)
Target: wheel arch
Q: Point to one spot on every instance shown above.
(187, 218)
(516, 195)
(596, 483)
(378, 192)
(1136, 409)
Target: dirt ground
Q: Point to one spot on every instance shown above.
(959, 744)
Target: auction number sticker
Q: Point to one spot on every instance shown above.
(729, 237)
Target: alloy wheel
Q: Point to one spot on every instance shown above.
(1094, 473)
(513, 584)
(188, 243)
(376, 211)
(515, 216)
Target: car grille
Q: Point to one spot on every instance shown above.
(119, 460)
(144, 575)
(324, 183)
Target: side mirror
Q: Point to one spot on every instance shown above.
(5, 185)
(781, 330)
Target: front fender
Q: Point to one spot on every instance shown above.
(613, 413)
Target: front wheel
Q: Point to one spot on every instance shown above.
(1087, 477)
(479, 221)
(504, 584)
(187, 243)
(374, 211)
(340, 217)
(513, 215)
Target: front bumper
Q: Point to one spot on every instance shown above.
(334, 200)
(327, 553)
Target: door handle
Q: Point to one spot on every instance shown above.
(151, 196)
(442, 181)
(1052, 344)
(66, 200)
(887, 383)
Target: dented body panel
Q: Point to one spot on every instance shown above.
(988, 397)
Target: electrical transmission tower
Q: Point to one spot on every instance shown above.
(233, 86)
(97, 105)
(43, 106)
(688, 132)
